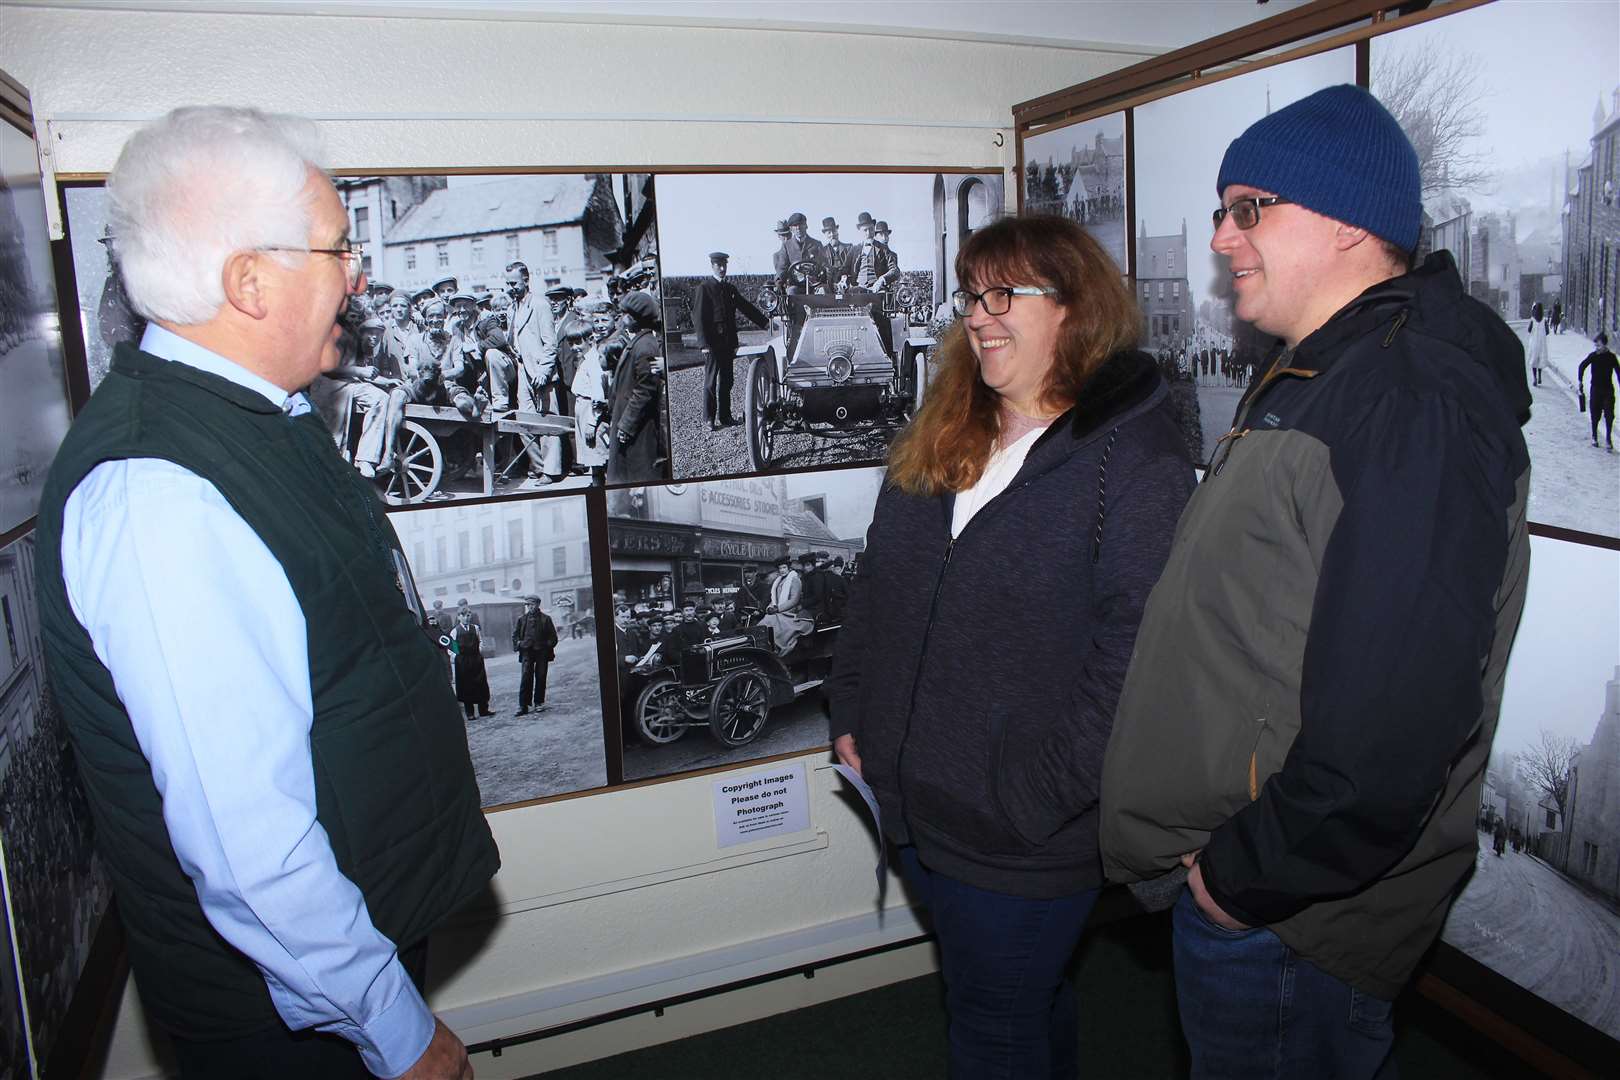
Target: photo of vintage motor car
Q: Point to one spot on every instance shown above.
(841, 281)
(839, 365)
(729, 685)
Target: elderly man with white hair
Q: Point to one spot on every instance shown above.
(272, 753)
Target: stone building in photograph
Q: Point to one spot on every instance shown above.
(1591, 227)
(493, 554)
(564, 227)
(1592, 827)
(1162, 288)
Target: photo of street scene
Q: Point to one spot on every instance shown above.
(491, 352)
(58, 886)
(1543, 905)
(1183, 288)
(507, 589)
(808, 342)
(728, 596)
(1078, 172)
(34, 409)
(1520, 155)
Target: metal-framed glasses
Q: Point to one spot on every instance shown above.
(351, 255)
(1246, 211)
(997, 301)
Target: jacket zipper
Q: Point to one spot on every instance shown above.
(928, 631)
(1238, 431)
(916, 681)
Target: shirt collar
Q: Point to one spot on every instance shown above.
(171, 346)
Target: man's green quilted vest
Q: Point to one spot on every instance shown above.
(394, 784)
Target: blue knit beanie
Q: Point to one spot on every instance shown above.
(1339, 153)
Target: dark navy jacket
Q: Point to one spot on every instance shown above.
(979, 676)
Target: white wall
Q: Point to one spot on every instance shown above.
(618, 898)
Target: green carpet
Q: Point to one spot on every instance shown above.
(1128, 1030)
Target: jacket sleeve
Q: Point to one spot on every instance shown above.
(642, 398)
(747, 307)
(702, 315)
(1043, 786)
(1390, 693)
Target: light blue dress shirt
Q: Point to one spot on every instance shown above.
(206, 644)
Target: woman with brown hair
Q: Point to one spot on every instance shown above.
(1027, 513)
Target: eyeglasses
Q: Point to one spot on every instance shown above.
(1246, 212)
(995, 301)
(351, 255)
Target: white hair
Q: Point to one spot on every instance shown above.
(197, 186)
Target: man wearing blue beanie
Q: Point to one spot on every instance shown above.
(1308, 714)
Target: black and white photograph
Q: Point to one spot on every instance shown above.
(34, 408)
(105, 317)
(1515, 113)
(1077, 171)
(728, 596)
(496, 348)
(14, 1062)
(801, 309)
(1183, 288)
(507, 587)
(1543, 905)
(59, 889)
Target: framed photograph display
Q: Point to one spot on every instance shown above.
(488, 295)
(34, 405)
(1520, 161)
(1078, 171)
(727, 602)
(58, 888)
(1182, 287)
(836, 286)
(507, 585)
(1542, 908)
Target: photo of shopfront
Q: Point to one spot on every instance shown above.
(680, 544)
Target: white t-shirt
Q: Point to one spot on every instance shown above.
(1004, 465)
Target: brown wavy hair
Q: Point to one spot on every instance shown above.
(948, 443)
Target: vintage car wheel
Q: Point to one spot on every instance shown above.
(659, 716)
(738, 709)
(919, 376)
(762, 394)
(419, 465)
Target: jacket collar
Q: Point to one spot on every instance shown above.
(1431, 300)
(1125, 383)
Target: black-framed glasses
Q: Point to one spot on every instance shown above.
(1246, 211)
(351, 255)
(997, 301)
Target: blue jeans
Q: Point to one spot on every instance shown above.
(1013, 1012)
(1251, 1007)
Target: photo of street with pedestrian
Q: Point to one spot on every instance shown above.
(506, 591)
(1517, 159)
(1543, 905)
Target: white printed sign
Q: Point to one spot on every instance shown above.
(760, 805)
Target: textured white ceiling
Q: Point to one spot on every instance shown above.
(1134, 25)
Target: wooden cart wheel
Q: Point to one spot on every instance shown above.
(419, 465)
